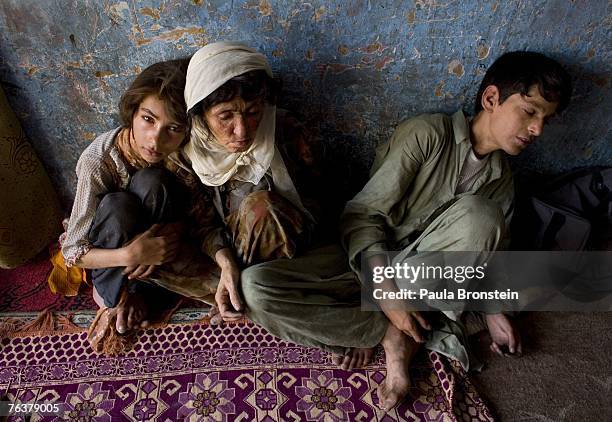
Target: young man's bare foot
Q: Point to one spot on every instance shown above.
(399, 351)
(355, 358)
(504, 333)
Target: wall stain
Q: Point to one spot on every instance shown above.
(175, 35)
(103, 73)
(343, 49)
(456, 68)
(151, 12)
(319, 13)
(115, 12)
(265, 9)
(375, 47)
(411, 16)
(438, 92)
(601, 81)
(89, 136)
(334, 68)
(382, 64)
(33, 69)
(482, 50)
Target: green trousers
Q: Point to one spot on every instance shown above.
(473, 223)
(313, 300)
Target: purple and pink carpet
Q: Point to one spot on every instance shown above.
(197, 372)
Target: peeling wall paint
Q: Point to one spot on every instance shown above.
(353, 69)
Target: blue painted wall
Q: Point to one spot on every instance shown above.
(353, 68)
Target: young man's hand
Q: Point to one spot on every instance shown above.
(409, 322)
(227, 297)
(504, 333)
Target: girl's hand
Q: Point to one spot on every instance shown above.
(139, 271)
(152, 248)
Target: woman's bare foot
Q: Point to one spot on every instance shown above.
(399, 351)
(355, 358)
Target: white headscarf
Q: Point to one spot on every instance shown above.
(209, 68)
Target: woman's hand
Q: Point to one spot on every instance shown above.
(227, 297)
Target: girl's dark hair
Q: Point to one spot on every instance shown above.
(249, 86)
(517, 71)
(166, 80)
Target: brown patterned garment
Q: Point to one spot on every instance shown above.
(261, 224)
(265, 227)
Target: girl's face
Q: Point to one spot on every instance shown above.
(234, 123)
(156, 135)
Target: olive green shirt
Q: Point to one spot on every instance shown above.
(413, 179)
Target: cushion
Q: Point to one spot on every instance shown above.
(29, 211)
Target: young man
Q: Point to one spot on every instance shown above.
(442, 183)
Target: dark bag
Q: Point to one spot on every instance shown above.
(570, 213)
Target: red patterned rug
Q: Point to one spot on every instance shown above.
(239, 372)
(25, 289)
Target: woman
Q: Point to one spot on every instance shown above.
(256, 160)
(238, 146)
(129, 212)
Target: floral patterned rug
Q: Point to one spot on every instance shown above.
(239, 372)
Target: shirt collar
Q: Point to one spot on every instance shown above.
(461, 130)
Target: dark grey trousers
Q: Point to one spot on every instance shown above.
(153, 196)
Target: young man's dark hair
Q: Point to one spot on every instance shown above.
(517, 71)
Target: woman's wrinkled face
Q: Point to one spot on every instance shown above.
(234, 123)
(155, 133)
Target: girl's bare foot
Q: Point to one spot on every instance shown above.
(132, 313)
(98, 299)
(399, 351)
(355, 358)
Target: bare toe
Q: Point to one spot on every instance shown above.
(336, 359)
(121, 324)
(346, 360)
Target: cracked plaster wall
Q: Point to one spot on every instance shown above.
(354, 69)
